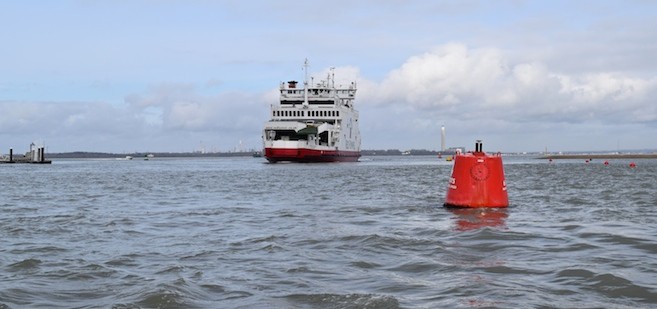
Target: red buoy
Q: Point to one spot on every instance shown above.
(632, 164)
(477, 181)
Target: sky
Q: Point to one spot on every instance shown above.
(182, 76)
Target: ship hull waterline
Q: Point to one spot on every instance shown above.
(304, 155)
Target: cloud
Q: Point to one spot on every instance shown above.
(182, 107)
(166, 117)
(486, 83)
(477, 92)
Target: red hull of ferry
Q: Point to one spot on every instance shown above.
(309, 155)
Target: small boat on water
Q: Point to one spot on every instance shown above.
(316, 123)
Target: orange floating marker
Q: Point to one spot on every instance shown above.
(477, 181)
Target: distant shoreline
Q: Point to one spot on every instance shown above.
(602, 156)
(108, 155)
(389, 152)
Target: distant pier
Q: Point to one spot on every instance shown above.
(36, 155)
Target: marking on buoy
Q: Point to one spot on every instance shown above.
(479, 172)
(452, 183)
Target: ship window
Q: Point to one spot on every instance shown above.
(291, 102)
(321, 102)
(338, 114)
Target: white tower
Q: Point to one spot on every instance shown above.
(442, 138)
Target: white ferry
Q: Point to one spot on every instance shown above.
(316, 123)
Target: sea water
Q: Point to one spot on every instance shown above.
(241, 233)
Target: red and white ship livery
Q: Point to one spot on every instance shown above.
(316, 123)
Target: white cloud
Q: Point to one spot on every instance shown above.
(466, 83)
(476, 92)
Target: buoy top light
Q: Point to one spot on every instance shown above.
(479, 148)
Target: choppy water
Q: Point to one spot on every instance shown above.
(239, 233)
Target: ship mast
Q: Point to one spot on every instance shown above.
(332, 77)
(305, 83)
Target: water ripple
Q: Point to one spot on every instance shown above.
(237, 233)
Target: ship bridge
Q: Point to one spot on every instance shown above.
(322, 102)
